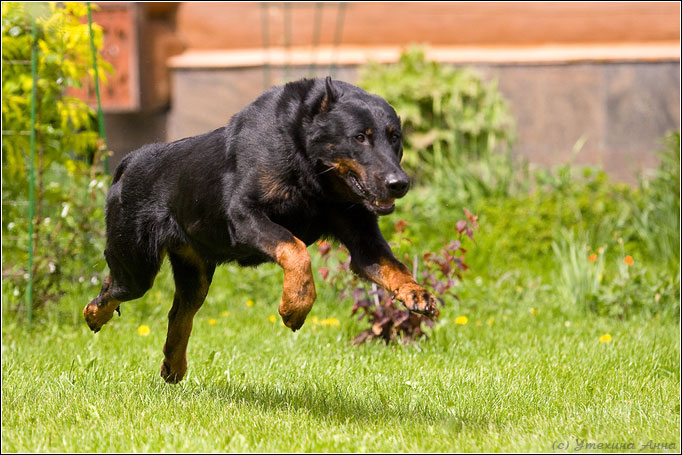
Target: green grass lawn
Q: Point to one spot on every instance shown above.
(530, 370)
(523, 373)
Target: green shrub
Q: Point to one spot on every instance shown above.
(66, 126)
(69, 184)
(525, 226)
(612, 285)
(657, 211)
(453, 122)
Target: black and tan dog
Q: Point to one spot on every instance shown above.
(314, 158)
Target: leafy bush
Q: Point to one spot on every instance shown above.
(70, 189)
(454, 123)
(617, 285)
(525, 226)
(66, 127)
(69, 238)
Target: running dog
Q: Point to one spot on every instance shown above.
(311, 159)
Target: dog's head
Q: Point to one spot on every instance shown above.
(358, 145)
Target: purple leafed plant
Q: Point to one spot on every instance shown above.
(388, 319)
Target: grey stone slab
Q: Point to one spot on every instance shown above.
(207, 99)
(642, 103)
(554, 107)
(621, 109)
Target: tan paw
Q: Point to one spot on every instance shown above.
(417, 299)
(294, 309)
(96, 315)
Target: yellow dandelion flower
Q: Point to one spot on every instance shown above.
(606, 338)
(330, 322)
(490, 321)
(249, 303)
(519, 289)
(272, 318)
(143, 330)
(212, 321)
(628, 260)
(224, 314)
(533, 311)
(461, 320)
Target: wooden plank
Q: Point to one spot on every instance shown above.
(357, 55)
(238, 25)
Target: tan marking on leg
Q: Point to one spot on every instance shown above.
(298, 290)
(180, 324)
(181, 319)
(393, 274)
(101, 308)
(396, 278)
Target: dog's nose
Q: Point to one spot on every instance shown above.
(397, 185)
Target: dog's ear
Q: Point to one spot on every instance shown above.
(330, 96)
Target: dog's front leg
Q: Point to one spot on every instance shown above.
(298, 290)
(372, 258)
(392, 275)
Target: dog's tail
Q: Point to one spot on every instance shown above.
(120, 169)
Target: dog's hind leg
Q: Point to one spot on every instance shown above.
(127, 280)
(101, 308)
(192, 277)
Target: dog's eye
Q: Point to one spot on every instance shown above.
(394, 138)
(360, 138)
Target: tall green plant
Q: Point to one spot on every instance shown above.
(69, 186)
(657, 214)
(453, 121)
(615, 284)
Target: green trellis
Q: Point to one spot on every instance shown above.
(32, 134)
(31, 175)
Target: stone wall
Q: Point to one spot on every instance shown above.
(620, 109)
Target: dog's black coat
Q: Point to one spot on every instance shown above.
(236, 192)
(307, 160)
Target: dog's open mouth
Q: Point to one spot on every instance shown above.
(377, 205)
